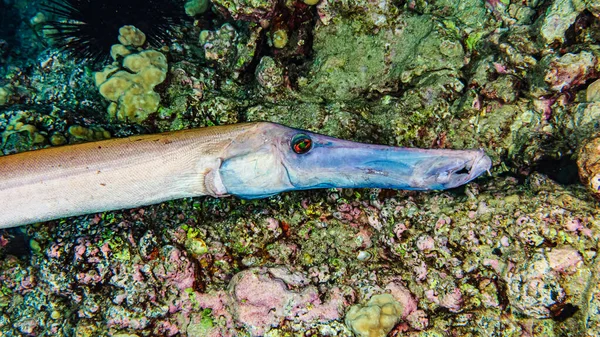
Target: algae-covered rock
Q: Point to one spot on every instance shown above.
(269, 73)
(588, 161)
(351, 63)
(558, 18)
(195, 7)
(470, 13)
(5, 93)
(570, 70)
(231, 51)
(253, 10)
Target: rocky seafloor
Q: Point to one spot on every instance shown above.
(513, 253)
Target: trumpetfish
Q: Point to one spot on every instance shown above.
(249, 160)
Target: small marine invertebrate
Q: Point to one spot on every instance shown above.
(86, 29)
(280, 38)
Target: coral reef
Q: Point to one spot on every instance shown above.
(511, 254)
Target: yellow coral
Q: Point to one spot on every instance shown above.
(92, 133)
(376, 318)
(118, 50)
(131, 91)
(280, 38)
(131, 36)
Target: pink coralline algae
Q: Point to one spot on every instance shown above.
(565, 259)
(259, 298)
(451, 300)
(179, 271)
(402, 295)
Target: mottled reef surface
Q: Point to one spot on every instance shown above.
(514, 253)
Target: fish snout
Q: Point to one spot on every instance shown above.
(458, 171)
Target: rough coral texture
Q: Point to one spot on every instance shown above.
(131, 90)
(514, 253)
(377, 318)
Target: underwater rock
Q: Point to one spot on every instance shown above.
(532, 287)
(570, 70)
(269, 73)
(504, 88)
(230, 51)
(351, 64)
(370, 14)
(219, 45)
(584, 122)
(471, 14)
(558, 18)
(5, 93)
(254, 11)
(263, 297)
(592, 94)
(588, 162)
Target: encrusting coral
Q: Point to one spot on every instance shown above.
(375, 319)
(130, 86)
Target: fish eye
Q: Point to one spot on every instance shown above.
(301, 143)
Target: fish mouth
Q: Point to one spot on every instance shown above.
(466, 171)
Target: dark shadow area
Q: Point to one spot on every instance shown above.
(563, 170)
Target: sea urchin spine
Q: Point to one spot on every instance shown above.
(86, 29)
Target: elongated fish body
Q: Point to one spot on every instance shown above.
(251, 160)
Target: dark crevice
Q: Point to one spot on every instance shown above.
(563, 170)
